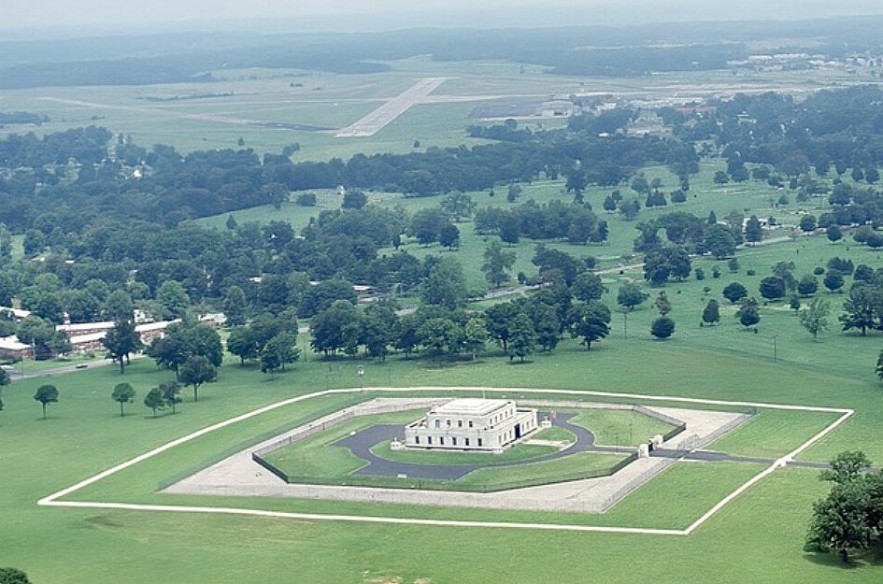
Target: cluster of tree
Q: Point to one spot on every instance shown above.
(575, 223)
(73, 174)
(188, 346)
(13, 576)
(271, 339)
(792, 137)
(10, 118)
(849, 520)
(440, 327)
(695, 235)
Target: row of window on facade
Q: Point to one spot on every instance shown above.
(449, 424)
(441, 441)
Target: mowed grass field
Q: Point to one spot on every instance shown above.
(85, 434)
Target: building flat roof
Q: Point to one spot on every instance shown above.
(470, 406)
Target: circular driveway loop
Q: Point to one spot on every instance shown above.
(361, 443)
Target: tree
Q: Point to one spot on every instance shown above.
(833, 281)
(475, 335)
(124, 394)
(846, 466)
(588, 287)
(13, 576)
(332, 330)
(449, 236)
(234, 306)
(46, 394)
(629, 208)
(354, 200)
(445, 284)
(121, 341)
(840, 521)
(711, 314)
(459, 205)
(734, 292)
(195, 371)
(242, 342)
(154, 400)
(172, 299)
(719, 241)
(522, 337)
(880, 365)
(833, 233)
(662, 328)
(630, 296)
(171, 394)
(772, 288)
(497, 263)
(753, 229)
(283, 348)
(118, 306)
(662, 303)
(183, 341)
(380, 328)
(863, 308)
(808, 285)
(807, 223)
(748, 314)
(498, 319)
(439, 336)
(667, 262)
(815, 317)
(590, 321)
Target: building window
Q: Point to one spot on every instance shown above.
(467, 441)
(448, 422)
(459, 423)
(416, 439)
(470, 423)
(480, 442)
(454, 440)
(437, 424)
(441, 440)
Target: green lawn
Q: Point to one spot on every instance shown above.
(577, 466)
(520, 452)
(554, 433)
(620, 427)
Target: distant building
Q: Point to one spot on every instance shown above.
(14, 349)
(471, 424)
(17, 313)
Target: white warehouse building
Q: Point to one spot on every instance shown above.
(471, 424)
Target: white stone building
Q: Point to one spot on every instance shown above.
(471, 424)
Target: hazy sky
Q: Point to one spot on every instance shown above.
(347, 14)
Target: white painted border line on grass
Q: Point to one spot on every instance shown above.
(52, 500)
